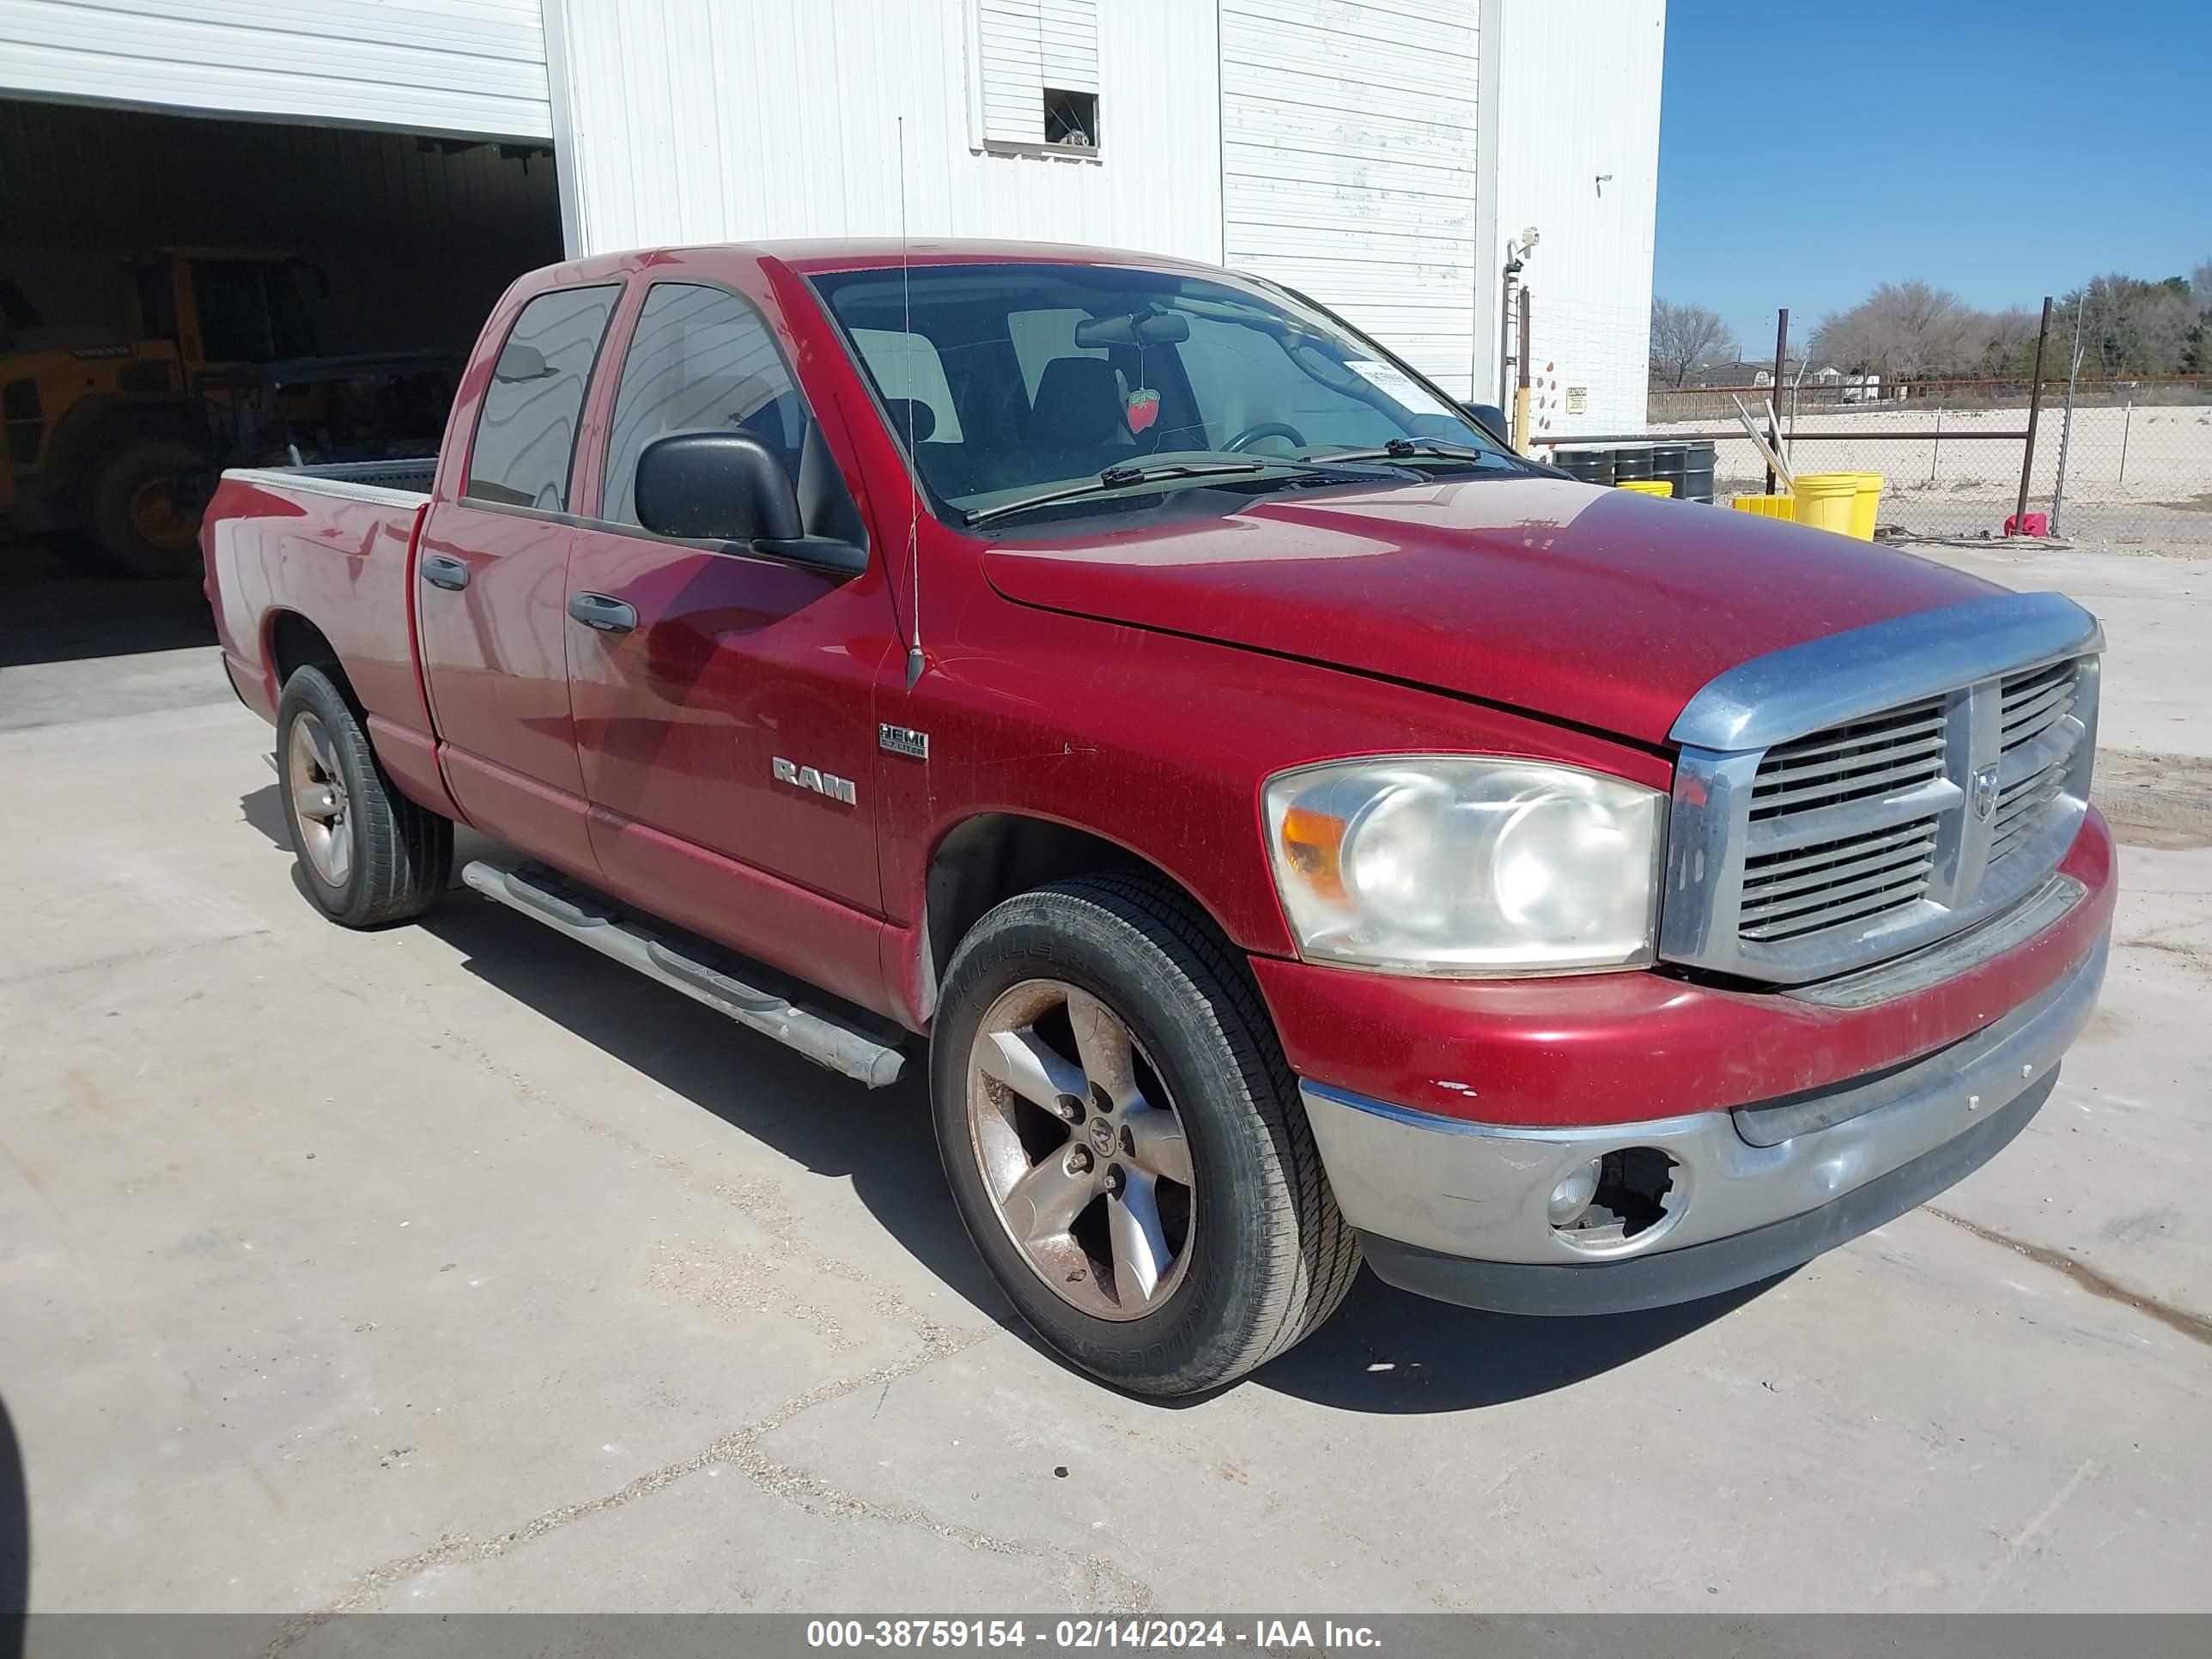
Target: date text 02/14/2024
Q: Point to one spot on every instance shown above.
(1083, 1634)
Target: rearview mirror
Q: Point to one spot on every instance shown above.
(715, 486)
(1148, 327)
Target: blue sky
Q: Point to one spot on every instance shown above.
(1809, 149)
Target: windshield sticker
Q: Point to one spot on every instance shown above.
(1144, 408)
(1395, 382)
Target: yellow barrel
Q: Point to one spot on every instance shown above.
(1825, 499)
(1647, 486)
(1866, 501)
(1779, 506)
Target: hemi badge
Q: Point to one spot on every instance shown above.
(903, 740)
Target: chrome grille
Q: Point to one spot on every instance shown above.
(2033, 704)
(1943, 774)
(1807, 888)
(1851, 877)
(1893, 750)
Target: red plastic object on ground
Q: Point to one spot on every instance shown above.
(2034, 523)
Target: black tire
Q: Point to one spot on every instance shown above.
(117, 514)
(1270, 1255)
(401, 854)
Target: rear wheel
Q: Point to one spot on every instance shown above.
(367, 854)
(138, 525)
(1123, 1138)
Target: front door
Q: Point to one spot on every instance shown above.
(724, 701)
(492, 581)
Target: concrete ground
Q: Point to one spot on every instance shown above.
(451, 1267)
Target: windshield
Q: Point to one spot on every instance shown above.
(1011, 382)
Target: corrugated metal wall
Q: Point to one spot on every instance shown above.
(467, 68)
(417, 243)
(1349, 164)
(696, 121)
(1580, 102)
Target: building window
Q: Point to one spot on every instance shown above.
(1071, 118)
(1034, 75)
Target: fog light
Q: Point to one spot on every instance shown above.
(1573, 1194)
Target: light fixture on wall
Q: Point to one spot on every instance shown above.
(1516, 257)
(1603, 180)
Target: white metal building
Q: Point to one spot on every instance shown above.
(1377, 155)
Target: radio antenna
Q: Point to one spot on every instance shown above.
(914, 659)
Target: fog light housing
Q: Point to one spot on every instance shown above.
(1619, 1202)
(1573, 1194)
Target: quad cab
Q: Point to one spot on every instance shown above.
(1285, 827)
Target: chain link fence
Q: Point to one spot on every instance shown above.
(2126, 464)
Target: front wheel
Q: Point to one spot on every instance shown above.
(1124, 1141)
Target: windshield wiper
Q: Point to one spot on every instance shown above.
(1122, 478)
(1409, 449)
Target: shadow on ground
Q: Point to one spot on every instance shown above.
(51, 613)
(1385, 1352)
(15, 1541)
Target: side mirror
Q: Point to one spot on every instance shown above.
(729, 487)
(716, 486)
(1491, 419)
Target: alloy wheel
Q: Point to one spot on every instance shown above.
(1081, 1149)
(318, 800)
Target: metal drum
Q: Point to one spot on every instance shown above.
(1697, 484)
(1591, 465)
(1630, 461)
(1667, 461)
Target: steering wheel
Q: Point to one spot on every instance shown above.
(1259, 429)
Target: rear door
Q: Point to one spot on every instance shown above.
(725, 719)
(491, 586)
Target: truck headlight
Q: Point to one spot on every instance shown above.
(1467, 866)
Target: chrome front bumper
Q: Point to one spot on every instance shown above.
(1457, 1209)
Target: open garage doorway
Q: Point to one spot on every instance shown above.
(154, 265)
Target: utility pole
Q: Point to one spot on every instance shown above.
(2035, 410)
(2066, 426)
(1774, 392)
(1521, 387)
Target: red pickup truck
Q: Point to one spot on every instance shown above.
(1301, 830)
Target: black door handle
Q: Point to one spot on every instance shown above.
(597, 610)
(440, 571)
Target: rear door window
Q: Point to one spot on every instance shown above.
(525, 437)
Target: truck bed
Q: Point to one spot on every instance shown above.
(306, 561)
(407, 479)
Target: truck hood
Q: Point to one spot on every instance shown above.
(1600, 607)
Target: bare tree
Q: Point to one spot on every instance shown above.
(1900, 329)
(1683, 337)
(2197, 352)
(2007, 342)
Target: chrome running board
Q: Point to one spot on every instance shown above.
(823, 1038)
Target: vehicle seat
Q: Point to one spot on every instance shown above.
(1079, 425)
(1078, 405)
(911, 419)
